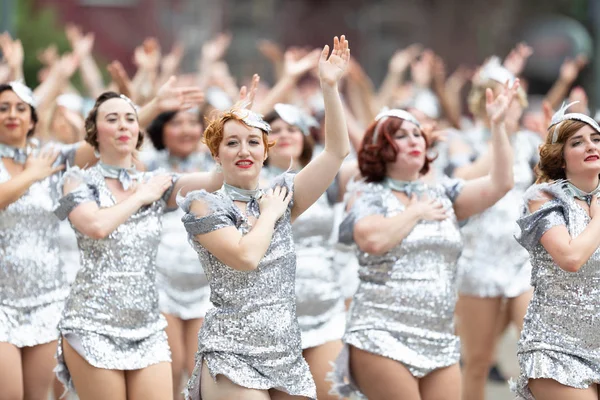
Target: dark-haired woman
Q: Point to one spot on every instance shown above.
(33, 283)
(400, 335)
(113, 344)
(559, 349)
(184, 294)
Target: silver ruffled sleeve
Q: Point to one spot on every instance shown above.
(83, 193)
(368, 203)
(219, 214)
(535, 224)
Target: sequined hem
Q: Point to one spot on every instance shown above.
(27, 327)
(566, 369)
(296, 380)
(106, 352)
(328, 332)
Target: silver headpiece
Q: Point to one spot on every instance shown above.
(253, 119)
(295, 116)
(131, 103)
(23, 92)
(559, 117)
(494, 70)
(396, 113)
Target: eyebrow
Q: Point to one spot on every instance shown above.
(116, 113)
(581, 136)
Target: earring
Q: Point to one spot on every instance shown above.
(218, 168)
(97, 153)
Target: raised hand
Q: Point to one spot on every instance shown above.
(578, 94)
(459, 78)
(40, 165)
(295, 67)
(149, 192)
(275, 201)
(421, 69)
(67, 64)
(81, 44)
(247, 96)
(497, 108)
(12, 51)
(120, 78)
(331, 70)
(516, 60)
(427, 209)
(215, 49)
(147, 56)
(570, 68)
(172, 98)
(403, 58)
(48, 56)
(170, 63)
(270, 50)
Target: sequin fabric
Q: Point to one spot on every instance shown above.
(493, 264)
(33, 283)
(404, 306)
(251, 335)
(111, 317)
(561, 330)
(182, 285)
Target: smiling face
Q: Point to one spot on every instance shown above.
(289, 141)
(411, 151)
(181, 135)
(241, 154)
(117, 127)
(581, 153)
(15, 119)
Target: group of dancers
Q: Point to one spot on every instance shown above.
(225, 263)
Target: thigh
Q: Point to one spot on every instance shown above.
(175, 336)
(517, 308)
(549, 389)
(224, 389)
(191, 329)
(38, 366)
(151, 383)
(11, 372)
(319, 361)
(477, 330)
(93, 383)
(441, 384)
(381, 378)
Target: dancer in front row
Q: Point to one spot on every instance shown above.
(400, 336)
(249, 344)
(559, 351)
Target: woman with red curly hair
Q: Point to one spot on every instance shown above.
(559, 352)
(400, 339)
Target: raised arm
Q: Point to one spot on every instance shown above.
(399, 62)
(569, 71)
(312, 181)
(82, 46)
(479, 194)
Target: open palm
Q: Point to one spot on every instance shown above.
(497, 108)
(331, 70)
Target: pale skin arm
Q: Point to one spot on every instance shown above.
(244, 252)
(98, 223)
(477, 169)
(568, 253)
(481, 193)
(209, 181)
(568, 74)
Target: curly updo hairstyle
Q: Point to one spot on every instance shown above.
(551, 166)
(34, 117)
(91, 129)
(373, 157)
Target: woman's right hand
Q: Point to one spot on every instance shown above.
(275, 201)
(427, 209)
(149, 192)
(40, 165)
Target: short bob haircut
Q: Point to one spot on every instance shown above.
(308, 142)
(34, 117)
(91, 129)
(551, 166)
(213, 134)
(156, 128)
(373, 157)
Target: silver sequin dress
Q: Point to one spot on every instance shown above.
(182, 285)
(493, 264)
(404, 306)
(111, 317)
(561, 333)
(252, 334)
(33, 283)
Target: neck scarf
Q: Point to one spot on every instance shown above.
(125, 176)
(580, 194)
(408, 187)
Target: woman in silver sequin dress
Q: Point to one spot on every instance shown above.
(33, 282)
(400, 339)
(183, 291)
(320, 299)
(250, 343)
(559, 349)
(493, 270)
(113, 344)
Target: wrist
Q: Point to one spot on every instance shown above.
(30, 175)
(269, 216)
(329, 87)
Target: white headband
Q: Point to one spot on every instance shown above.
(396, 113)
(23, 92)
(295, 116)
(559, 117)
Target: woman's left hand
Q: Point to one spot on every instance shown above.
(331, 70)
(498, 107)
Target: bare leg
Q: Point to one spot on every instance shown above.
(279, 395)
(381, 378)
(517, 308)
(478, 334)
(549, 389)
(318, 359)
(224, 389)
(191, 329)
(11, 372)
(441, 384)
(175, 334)
(38, 365)
(93, 383)
(150, 383)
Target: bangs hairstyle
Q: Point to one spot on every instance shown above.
(213, 134)
(34, 117)
(476, 98)
(552, 161)
(373, 157)
(308, 141)
(91, 128)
